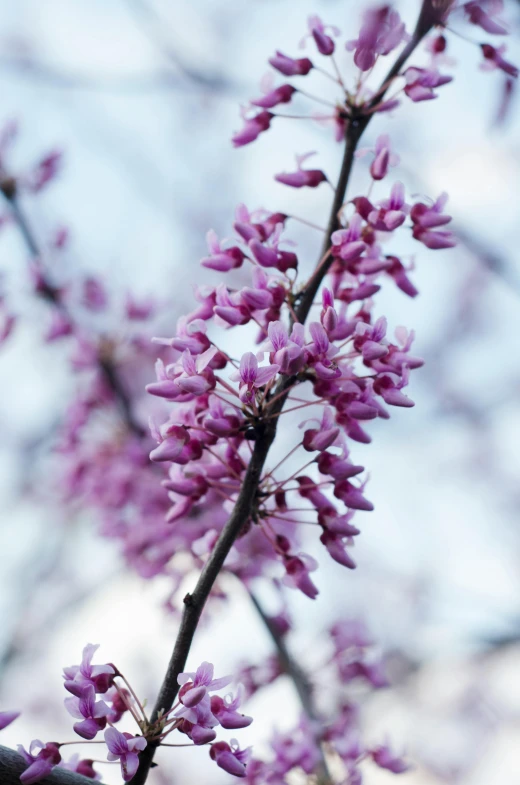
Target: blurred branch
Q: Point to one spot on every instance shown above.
(47, 74)
(489, 258)
(12, 765)
(154, 28)
(52, 294)
(300, 681)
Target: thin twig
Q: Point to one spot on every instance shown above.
(300, 682)
(52, 294)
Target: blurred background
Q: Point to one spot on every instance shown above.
(142, 97)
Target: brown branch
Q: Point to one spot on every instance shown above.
(194, 603)
(301, 684)
(12, 765)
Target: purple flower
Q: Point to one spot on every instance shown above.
(381, 31)
(336, 548)
(392, 212)
(230, 758)
(40, 764)
(324, 435)
(493, 59)
(196, 685)
(383, 157)
(425, 218)
(386, 759)
(7, 717)
(252, 377)
(94, 296)
(221, 259)
(420, 83)
(81, 766)
(302, 177)
(45, 171)
(252, 129)
(347, 243)
(481, 13)
(284, 351)
(280, 95)
(93, 715)
(77, 677)
(317, 30)
(225, 710)
(297, 573)
(288, 66)
(125, 748)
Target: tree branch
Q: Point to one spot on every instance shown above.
(50, 293)
(301, 684)
(194, 603)
(12, 765)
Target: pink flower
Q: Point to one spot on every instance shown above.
(125, 748)
(420, 83)
(381, 32)
(221, 259)
(336, 548)
(302, 177)
(196, 685)
(93, 714)
(45, 171)
(347, 243)
(397, 271)
(383, 157)
(317, 30)
(386, 759)
(77, 677)
(94, 296)
(425, 218)
(42, 763)
(297, 573)
(284, 351)
(322, 437)
(288, 66)
(493, 59)
(225, 710)
(230, 758)
(252, 129)
(280, 95)
(252, 377)
(7, 717)
(84, 767)
(175, 444)
(482, 13)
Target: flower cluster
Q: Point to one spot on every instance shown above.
(341, 371)
(196, 715)
(353, 664)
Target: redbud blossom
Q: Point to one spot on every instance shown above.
(483, 13)
(280, 95)
(302, 177)
(41, 763)
(230, 758)
(381, 32)
(420, 83)
(7, 717)
(252, 129)
(288, 66)
(493, 59)
(125, 748)
(317, 30)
